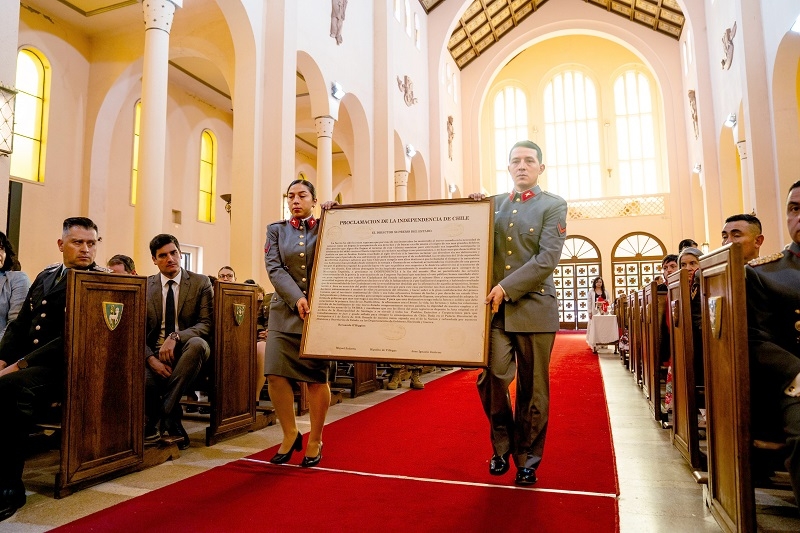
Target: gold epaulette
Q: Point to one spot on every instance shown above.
(98, 268)
(53, 266)
(766, 259)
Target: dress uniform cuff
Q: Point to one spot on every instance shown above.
(505, 294)
(793, 389)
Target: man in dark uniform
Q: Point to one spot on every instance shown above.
(529, 227)
(773, 317)
(32, 356)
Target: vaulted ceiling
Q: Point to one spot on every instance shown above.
(486, 21)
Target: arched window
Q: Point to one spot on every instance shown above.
(30, 116)
(208, 177)
(510, 126)
(636, 142)
(137, 121)
(398, 10)
(572, 136)
(417, 32)
(635, 260)
(408, 17)
(579, 264)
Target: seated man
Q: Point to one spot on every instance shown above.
(744, 229)
(32, 356)
(179, 314)
(122, 264)
(226, 273)
(773, 319)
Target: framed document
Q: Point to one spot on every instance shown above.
(402, 283)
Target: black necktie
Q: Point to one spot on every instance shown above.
(169, 313)
(61, 274)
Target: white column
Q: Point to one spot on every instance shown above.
(324, 158)
(149, 214)
(401, 185)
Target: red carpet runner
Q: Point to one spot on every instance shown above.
(418, 462)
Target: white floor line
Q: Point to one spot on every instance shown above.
(443, 481)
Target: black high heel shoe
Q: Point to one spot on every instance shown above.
(312, 461)
(280, 458)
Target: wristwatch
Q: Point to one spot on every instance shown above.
(22, 364)
(174, 336)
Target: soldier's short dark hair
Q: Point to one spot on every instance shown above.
(686, 243)
(308, 185)
(526, 144)
(750, 219)
(162, 239)
(82, 222)
(668, 259)
(126, 262)
(793, 186)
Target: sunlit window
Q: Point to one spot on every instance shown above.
(30, 116)
(510, 126)
(208, 177)
(398, 9)
(137, 117)
(636, 145)
(572, 136)
(408, 17)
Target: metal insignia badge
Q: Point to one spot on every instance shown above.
(715, 315)
(112, 313)
(238, 313)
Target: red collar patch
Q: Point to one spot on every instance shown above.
(525, 196)
(297, 223)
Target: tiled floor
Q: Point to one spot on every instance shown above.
(658, 492)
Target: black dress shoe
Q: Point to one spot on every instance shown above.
(312, 461)
(10, 501)
(280, 458)
(498, 464)
(174, 428)
(151, 433)
(525, 477)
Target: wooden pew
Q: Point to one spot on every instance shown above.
(233, 395)
(361, 378)
(103, 405)
(635, 335)
(654, 304)
(621, 311)
(647, 349)
(731, 493)
(685, 436)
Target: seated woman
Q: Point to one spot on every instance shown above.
(14, 284)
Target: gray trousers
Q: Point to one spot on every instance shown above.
(162, 394)
(525, 356)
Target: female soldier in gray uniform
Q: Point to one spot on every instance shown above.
(289, 257)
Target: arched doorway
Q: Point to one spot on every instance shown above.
(635, 260)
(579, 264)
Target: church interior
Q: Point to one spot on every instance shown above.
(657, 120)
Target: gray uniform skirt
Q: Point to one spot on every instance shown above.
(283, 359)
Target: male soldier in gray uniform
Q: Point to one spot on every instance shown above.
(773, 319)
(32, 356)
(529, 230)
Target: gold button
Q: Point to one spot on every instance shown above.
(301, 243)
(514, 212)
(511, 225)
(531, 230)
(304, 279)
(797, 325)
(542, 291)
(508, 267)
(38, 328)
(509, 238)
(302, 254)
(35, 341)
(44, 302)
(304, 292)
(510, 252)
(43, 315)
(301, 236)
(303, 267)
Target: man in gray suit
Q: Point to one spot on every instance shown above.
(529, 228)
(179, 318)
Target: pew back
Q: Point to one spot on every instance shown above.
(684, 400)
(653, 317)
(727, 371)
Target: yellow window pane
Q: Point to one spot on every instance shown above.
(134, 184)
(207, 147)
(25, 159)
(27, 116)
(137, 118)
(30, 73)
(206, 177)
(204, 207)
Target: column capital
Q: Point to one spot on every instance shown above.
(324, 126)
(158, 14)
(400, 178)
